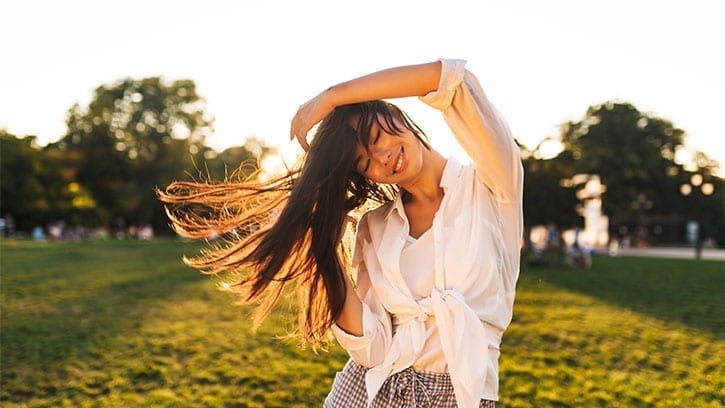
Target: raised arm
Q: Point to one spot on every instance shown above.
(398, 82)
(480, 129)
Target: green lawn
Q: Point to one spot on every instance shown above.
(124, 323)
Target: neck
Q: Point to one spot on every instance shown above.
(426, 187)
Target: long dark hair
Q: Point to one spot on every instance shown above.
(289, 228)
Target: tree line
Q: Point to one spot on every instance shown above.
(133, 136)
(138, 134)
(646, 191)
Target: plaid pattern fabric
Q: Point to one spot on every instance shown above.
(406, 389)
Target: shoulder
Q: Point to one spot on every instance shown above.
(471, 176)
(371, 224)
(378, 214)
(461, 173)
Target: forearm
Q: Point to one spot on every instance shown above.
(351, 319)
(398, 82)
(363, 329)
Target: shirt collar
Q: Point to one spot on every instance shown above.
(451, 172)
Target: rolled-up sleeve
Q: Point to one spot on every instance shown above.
(369, 349)
(480, 130)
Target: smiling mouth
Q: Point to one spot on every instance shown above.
(399, 161)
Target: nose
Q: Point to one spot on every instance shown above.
(380, 154)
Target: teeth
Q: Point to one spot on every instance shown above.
(399, 163)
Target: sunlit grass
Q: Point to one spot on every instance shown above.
(124, 323)
(627, 333)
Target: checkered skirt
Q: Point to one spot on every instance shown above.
(406, 389)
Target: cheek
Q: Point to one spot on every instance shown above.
(375, 173)
(372, 176)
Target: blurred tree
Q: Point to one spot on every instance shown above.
(70, 200)
(240, 161)
(36, 185)
(133, 136)
(634, 154)
(21, 187)
(548, 199)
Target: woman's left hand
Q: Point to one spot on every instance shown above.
(307, 116)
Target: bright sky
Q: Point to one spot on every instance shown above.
(541, 62)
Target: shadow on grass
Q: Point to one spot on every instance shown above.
(126, 324)
(64, 301)
(675, 290)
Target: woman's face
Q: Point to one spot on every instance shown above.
(389, 158)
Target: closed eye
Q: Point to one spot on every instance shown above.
(367, 164)
(377, 137)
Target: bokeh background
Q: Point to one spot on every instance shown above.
(616, 107)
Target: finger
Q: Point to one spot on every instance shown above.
(302, 140)
(296, 133)
(293, 128)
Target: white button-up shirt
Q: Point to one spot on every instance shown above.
(475, 247)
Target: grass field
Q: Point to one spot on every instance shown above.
(124, 323)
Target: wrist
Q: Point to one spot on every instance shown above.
(330, 98)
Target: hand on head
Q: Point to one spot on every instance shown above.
(308, 115)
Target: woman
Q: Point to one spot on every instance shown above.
(434, 267)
